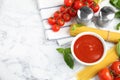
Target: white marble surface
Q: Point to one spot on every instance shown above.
(24, 52)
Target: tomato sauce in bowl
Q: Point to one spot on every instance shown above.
(88, 48)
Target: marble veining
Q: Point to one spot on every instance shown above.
(25, 54)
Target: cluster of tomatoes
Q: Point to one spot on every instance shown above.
(111, 73)
(69, 10)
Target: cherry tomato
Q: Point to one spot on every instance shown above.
(95, 7)
(63, 8)
(72, 12)
(104, 74)
(57, 15)
(60, 22)
(118, 78)
(84, 0)
(55, 27)
(115, 67)
(68, 3)
(78, 4)
(51, 20)
(66, 17)
(86, 4)
(90, 1)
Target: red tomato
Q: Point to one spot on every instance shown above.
(78, 4)
(55, 27)
(66, 17)
(51, 20)
(90, 1)
(63, 8)
(60, 22)
(68, 3)
(72, 12)
(115, 67)
(118, 78)
(84, 0)
(104, 74)
(95, 7)
(57, 15)
(85, 3)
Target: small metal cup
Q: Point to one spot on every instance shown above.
(84, 15)
(106, 15)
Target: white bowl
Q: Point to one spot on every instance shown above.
(95, 35)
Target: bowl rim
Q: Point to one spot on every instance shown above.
(93, 34)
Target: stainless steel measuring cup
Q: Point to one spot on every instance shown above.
(106, 15)
(84, 15)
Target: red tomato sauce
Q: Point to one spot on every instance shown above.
(88, 48)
